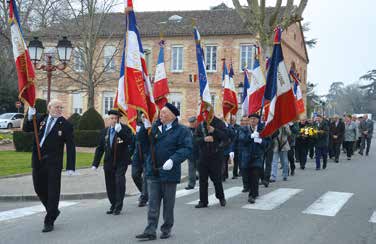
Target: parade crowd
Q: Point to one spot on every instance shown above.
(157, 150)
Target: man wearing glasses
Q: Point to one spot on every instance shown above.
(53, 132)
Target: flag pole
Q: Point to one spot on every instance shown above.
(36, 137)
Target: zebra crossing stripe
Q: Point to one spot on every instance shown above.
(22, 212)
(229, 193)
(329, 204)
(183, 192)
(273, 199)
(373, 218)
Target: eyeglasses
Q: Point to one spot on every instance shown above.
(59, 107)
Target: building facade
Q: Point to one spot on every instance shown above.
(223, 37)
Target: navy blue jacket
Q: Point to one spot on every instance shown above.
(141, 150)
(251, 153)
(174, 144)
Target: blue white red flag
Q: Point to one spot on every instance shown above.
(161, 84)
(300, 108)
(230, 101)
(278, 91)
(206, 111)
(257, 85)
(24, 66)
(245, 97)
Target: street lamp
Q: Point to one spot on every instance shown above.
(64, 51)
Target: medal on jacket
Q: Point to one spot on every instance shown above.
(119, 140)
(42, 124)
(60, 133)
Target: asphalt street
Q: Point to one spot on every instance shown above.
(335, 205)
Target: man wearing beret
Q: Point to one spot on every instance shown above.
(171, 144)
(113, 143)
(212, 139)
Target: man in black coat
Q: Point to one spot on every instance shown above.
(337, 131)
(212, 139)
(53, 132)
(192, 161)
(113, 143)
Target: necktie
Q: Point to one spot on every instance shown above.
(112, 134)
(164, 128)
(49, 124)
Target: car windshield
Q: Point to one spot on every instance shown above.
(6, 116)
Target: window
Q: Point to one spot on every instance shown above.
(77, 103)
(78, 56)
(246, 56)
(108, 54)
(148, 58)
(177, 59)
(213, 100)
(52, 95)
(108, 101)
(211, 58)
(176, 98)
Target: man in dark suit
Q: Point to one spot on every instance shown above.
(113, 143)
(53, 132)
(322, 141)
(337, 130)
(366, 132)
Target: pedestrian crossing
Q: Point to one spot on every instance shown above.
(229, 193)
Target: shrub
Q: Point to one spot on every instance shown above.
(41, 106)
(91, 120)
(74, 119)
(86, 138)
(23, 141)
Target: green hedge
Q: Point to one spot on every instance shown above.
(41, 106)
(86, 138)
(23, 141)
(91, 120)
(74, 119)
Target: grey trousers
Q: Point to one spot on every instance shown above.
(192, 168)
(158, 192)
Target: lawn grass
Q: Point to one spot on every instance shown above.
(12, 162)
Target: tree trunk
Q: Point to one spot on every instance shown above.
(91, 96)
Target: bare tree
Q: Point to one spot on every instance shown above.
(370, 88)
(256, 17)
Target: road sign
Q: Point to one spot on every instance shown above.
(18, 104)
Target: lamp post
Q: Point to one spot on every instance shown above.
(64, 50)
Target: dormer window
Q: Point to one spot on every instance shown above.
(175, 18)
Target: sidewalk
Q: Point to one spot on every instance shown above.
(85, 184)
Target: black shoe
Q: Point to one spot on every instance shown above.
(337, 161)
(251, 200)
(165, 235)
(141, 204)
(271, 180)
(111, 211)
(361, 153)
(48, 228)
(222, 202)
(146, 236)
(117, 212)
(234, 177)
(302, 167)
(324, 167)
(292, 172)
(265, 183)
(201, 205)
(245, 190)
(284, 178)
(189, 188)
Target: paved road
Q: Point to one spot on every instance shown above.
(335, 205)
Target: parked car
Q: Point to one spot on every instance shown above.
(11, 120)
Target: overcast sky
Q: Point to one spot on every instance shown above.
(345, 30)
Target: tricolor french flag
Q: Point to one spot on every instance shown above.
(278, 91)
(300, 108)
(257, 85)
(160, 82)
(24, 67)
(230, 101)
(206, 111)
(245, 97)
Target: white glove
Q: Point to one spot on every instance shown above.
(255, 135)
(168, 165)
(146, 123)
(118, 127)
(30, 113)
(258, 140)
(232, 155)
(94, 168)
(70, 172)
(138, 128)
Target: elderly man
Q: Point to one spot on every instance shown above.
(192, 161)
(321, 146)
(366, 132)
(53, 132)
(337, 131)
(171, 144)
(113, 143)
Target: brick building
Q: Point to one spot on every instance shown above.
(223, 36)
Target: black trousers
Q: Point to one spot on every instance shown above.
(363, 142)
(235, 169)
(268, 159)
(211, 167)
(349, 145)
(47, 184)
(245, 178)
(291, 158)
(254, 177)
(336, 150)
(115, 186)
(139, 179)
(225, 167)
(301, 154)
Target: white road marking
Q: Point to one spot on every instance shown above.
(184, 192)
(329, 204)
(273, 199)
(229, 193)
(22, 212)
(373, 218)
